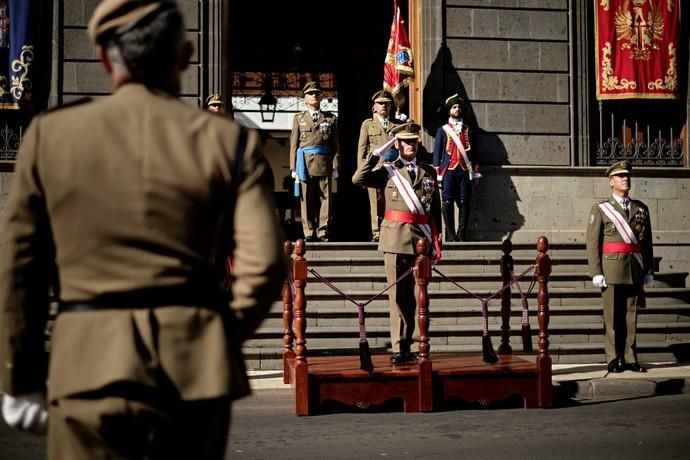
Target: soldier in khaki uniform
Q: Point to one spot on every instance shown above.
(375, 132)
(412, 211)
(131, 204)
(314, 162)
(620, 255)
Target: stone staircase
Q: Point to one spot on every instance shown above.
(576, 325)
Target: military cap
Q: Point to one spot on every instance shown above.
(311, 87)
(111, 15)
(214, 99)
(622, 167)
(452, 100)
(382, 97)
(407, 131)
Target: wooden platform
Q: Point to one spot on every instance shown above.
(422, 386)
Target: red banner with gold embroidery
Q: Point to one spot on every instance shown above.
(636, 48)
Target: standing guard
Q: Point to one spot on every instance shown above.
(314, 163)
(375, 132)
(621, 257)
(456, 168)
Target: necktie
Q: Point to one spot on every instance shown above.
(411, 171)
(384, 123)
(625, 202)
(315, 117)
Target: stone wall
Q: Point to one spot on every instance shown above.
(82, 74)
(512, 61)
(523, 203)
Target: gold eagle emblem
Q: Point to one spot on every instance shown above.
(637, 32)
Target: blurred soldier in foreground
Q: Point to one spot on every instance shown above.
(314, 163)
(375, 132)
(621, 257)
(412, 211)
(130, 204)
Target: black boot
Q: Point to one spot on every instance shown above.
(464, 217)
(448, 211)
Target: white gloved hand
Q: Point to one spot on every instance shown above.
(400, 116)
(334, 174)
(649, 279)
(25, 412)
(599, 281)
(293, 174)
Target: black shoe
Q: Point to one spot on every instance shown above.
(616, 366)
(635, 367)
(323, 239)
(400, 358)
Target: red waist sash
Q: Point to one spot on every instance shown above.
(611, 246)
(407, 217)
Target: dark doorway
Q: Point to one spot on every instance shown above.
(348, 39)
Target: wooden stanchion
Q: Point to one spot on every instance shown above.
(543, 271)
(288, 334)
(423, 275)
(300, 372)
(507, 266)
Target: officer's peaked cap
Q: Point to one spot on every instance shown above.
(407, 131)
(622, 167)
(111, 15)
(382, 97)
(311, 87)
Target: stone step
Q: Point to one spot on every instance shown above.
(576, 353)
(376, 281)
(450, 250)
(334, 337)
(458, 298)
(378, 316)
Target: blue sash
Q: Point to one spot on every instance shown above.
(301, 163)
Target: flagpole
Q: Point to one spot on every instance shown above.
(413, 13)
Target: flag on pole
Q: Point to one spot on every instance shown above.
(398, 68)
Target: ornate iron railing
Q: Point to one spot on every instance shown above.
(646, 139)
(10, 139)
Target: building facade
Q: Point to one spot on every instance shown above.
(526, 67)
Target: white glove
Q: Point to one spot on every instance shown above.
(599, 281)
(649, 279)
(293, 174)
(25, 412)
(334, 174)
(400, 116)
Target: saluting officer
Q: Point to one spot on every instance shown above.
(412, 211)
(375, 132)
(620, 255)
(133, 201)
(314, 162)
(455, 163)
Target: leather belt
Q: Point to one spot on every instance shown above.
(185, 295)
(405, 216)
(613, 246)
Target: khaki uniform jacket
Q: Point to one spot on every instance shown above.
(620, 267)
(305, 132)
(401, 237)
(372, 136)
(135, 191)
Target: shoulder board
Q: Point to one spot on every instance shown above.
(74, 103)
(602, 201)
